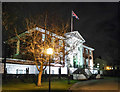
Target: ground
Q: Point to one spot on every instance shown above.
(107, 84)
(56, 84)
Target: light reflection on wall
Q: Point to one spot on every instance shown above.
(20, 69)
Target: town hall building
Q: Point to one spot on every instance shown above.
(79, 56)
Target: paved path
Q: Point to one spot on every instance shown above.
(108, 83)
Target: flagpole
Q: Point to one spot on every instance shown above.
(71, 22)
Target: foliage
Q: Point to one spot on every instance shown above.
(102, 63)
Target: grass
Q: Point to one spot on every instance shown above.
(16, 84)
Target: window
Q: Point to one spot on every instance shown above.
(16, 71)
(42, 30)
(86, 51)
(61, 54)
(53, 39)
(75, 62)
(43, 37)
(83, 50)
(90, 52)
(61, 57)
(37, 28)
(20, 71)
(52, 71)
(53, 34)
(47, 32)
(60, 42)
(79, 48)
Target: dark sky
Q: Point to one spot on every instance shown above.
(98, 22)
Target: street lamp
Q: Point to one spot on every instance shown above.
(49, 52)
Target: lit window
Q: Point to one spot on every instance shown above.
(108, 68)
(60, 42)
(61, 54)
(43, 37)
(86, 51)
(42, 30)
(53, 39)
(37, 28)
(90, 52)
(47, 32)
(53, 34)
(115, 67)
(56, 36)
(98, 64)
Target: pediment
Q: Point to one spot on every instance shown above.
(75, 34)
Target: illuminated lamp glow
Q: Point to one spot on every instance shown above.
(50, 51)
(107, 68)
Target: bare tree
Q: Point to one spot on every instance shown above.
(38, 38)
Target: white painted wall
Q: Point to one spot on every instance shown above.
(55, 70)
(63, 70)
(11, 68)
(72, 70)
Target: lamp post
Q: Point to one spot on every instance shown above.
(68, 70)
(49, 52)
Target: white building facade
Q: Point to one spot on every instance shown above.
(78, 56)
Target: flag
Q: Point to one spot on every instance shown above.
(74, 15)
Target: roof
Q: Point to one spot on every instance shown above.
(37, 29)
(76, 34)
(26, 62)
(85, 46)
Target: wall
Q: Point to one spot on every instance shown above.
(12, 69)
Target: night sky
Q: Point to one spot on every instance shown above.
(98, 22)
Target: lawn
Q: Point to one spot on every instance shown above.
(16, 84)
